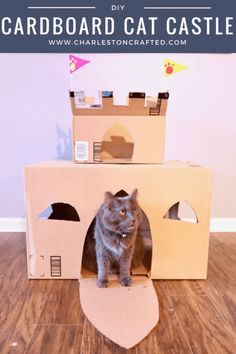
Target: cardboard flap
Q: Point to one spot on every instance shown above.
(124, 315)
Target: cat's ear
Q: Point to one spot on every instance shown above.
(108, 197)
(134, 194)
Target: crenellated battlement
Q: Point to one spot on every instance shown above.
(137, 104)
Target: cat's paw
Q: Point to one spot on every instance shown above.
(127, 281)
(102, 283)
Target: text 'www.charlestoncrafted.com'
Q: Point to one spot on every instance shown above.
(117, 42)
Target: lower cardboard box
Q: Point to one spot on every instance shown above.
(62, 199)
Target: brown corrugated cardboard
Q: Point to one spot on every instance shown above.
(129, 134)
(179, 248)
(125, 315)
(62, 199)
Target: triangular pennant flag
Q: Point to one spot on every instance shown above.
(76, 63)
(171, 67)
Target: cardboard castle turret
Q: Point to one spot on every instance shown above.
(62, 199)
(108, 133)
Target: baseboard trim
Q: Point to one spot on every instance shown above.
(223, 225)
(12, 225)
(19, 225)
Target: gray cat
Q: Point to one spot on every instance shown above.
(116, 239)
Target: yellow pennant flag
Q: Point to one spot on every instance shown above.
(171, 67)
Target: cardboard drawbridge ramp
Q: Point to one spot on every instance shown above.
(123, 314)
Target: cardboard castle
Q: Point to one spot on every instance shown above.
(62, 199)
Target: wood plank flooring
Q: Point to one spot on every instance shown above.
(45, 316)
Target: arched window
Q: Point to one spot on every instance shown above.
(181, 211)
(60, 211)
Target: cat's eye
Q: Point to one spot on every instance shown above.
(123, 212)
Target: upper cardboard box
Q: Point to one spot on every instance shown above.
(104, 132)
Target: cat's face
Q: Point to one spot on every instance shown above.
(121, 215)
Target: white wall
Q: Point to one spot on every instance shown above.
(201, 118)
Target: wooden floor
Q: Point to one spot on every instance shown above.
(44, 316)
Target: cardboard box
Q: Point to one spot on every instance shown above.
(62, 199)
(179, 248)
(104, 132)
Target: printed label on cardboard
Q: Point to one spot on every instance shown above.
(82, 102)
(81, 151)
(79, 98)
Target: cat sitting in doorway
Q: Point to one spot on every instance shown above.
(115, 243)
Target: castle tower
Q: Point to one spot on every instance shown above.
(104, 132)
